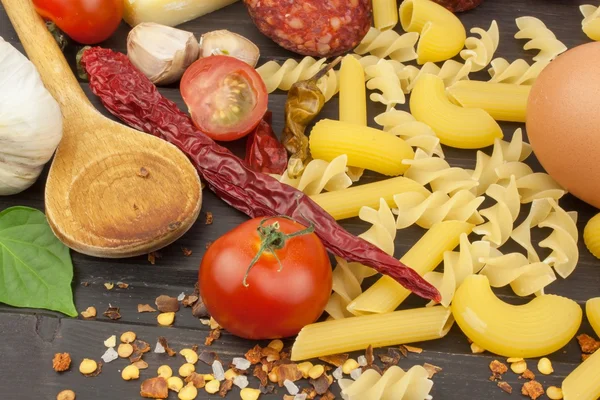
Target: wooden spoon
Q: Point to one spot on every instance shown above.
(112, 191)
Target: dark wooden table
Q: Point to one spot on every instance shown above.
(29, 338)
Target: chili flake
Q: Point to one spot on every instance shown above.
(186, 252)
(432, 369)
(209, 218)
(167, 304)
(165, 344)
(505, 386)
(533, 389)
(155, 388)
(112, 313)
(336, 360)
(61, 362)
(142, 308)
(226, 386)
(212, 336)
(528, 374)
(588, 344)
(261, 374)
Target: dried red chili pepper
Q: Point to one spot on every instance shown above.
(130, 96)
(264, 152)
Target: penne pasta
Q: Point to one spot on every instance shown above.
(583, 382)
(385, 15)
(455, 126)
(592, 311)
(503, 101)
(387, 294)
(358, 333)
(442, 34)
(365, 147)
(347, 203)
(353, 98)
(514, 331)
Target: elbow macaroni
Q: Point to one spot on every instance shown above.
(540, 38)
(591, 235)
(465, 128)
(489, 322)
(442, 33)
(481, 51)
(592, 311)
(389, 44)
(395, 383)
(591, 21)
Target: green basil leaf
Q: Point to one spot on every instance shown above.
(35, 267)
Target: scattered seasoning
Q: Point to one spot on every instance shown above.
(209, 218)
(337, 360)
(392, 357)
(139, 349)
(208, 357)
(189, 300)
(66, 395)
(112, 313)
(109, 285)
(163, 342)
(505, 386)
(61, 362)
(585, 357)
(369, 356)
(588, 344)
(186, 252)
(110, 355)
(89, 312)
(96, 372)
(226, 386)
(254, 355)
(120, 87)
(167, 304)
(528, 374)
(403, 351)
(261, 374)
(264, 152)
(266, 389)
(140, 364)
(321, 384)
(122, 285)
(111, 341)
(287, 372)
(533, 389)
(432, 369)
(86, 284)
(199, 309)
(143, 173)
(212, 336)
(196, 379)
(412, 349)
(155, 388)
(152, 257)
(142, 308)
(498, 368)
(328, 396)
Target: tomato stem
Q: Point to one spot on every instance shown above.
(273, 239)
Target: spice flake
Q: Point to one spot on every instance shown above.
(61, 362)
(533, 389)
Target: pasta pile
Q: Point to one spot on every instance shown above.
(591, 21)
(540, 38)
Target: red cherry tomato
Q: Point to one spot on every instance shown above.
(226, 97)
(276, 302)
(85, 21)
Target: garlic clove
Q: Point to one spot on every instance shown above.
(160, 52)
(231, 44)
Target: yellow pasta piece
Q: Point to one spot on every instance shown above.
(464, 128)
(583, 382)
(353, 98)
(503, 101)
(365, 147)
(320, 175)
(415, 133)
(387, 294)
(442, 33)
(591, 235)
(518, 72)
(347, 203)
(481, 51)
(389, 44)
(592, 310)
(514, 331)
(395, 384)
(358, 333)
(540, 38)
(450, 72)
(591, 21)
(385, 14)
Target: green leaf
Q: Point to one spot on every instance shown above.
(35, 267)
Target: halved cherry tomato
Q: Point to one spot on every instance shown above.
(226, 97)
(279, 299)
(85, 21)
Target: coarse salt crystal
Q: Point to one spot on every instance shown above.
(159, 348)
(338, 373)
(240, 381)
(241, 363)
(181, 296)
(291, 387)
(301, 396)
(356, 373)
(110, 355)
(218, 371)
(362, 361)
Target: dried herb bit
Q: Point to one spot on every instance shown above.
(337, 360)
(321, 384)
(254, 355)
(226, 386)
(208, 357)
(505, 386)
(199, 309)
(139, 348)
(155, 388)
(153, 256)
(143, 172)
(212, 336)
(186, 252)
(167, 304)
(61, 362)
(145, 308)
(411, 349)
(266, 389)
(533, 389)
(432, 369)
(122, 285)
(189, 300)
(588, 344)
(403, 351)
(209, 218)
(528, 375)
(328, 396)
(141, 364)
(112, 313)
(369, 356)
(392, 357)
(163, 342)
(287, 371)
(497, 369)
(261, 374)
(197, 380)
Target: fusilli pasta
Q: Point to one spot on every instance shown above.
(481, 51)
(383, 77)
(320, 175)
(450, 72)
(501, 215)
(591, 21)
(395, 383)
(531, 185)
(540, 38)
(438, 174)
(415, 133)
(518, 72)
(389, 44)
(562, 241)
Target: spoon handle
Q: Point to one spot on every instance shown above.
(48, 59)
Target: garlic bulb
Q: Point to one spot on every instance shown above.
(229, 44)
(160, 52)
(30, 122)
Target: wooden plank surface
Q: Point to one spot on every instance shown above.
(31, 337)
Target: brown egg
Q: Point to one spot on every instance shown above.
(563, 121)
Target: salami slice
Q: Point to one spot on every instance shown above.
(459, 5)
(319, 28)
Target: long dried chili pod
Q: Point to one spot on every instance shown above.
(130, 96)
